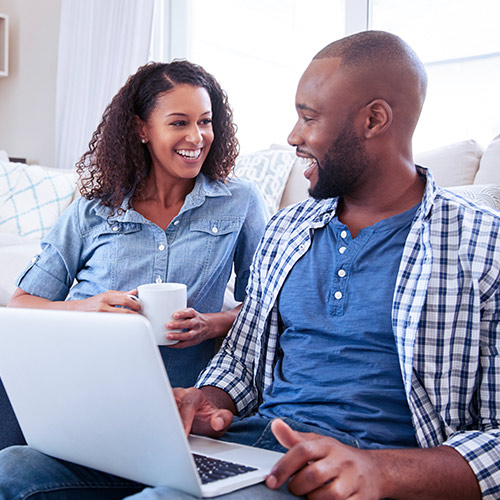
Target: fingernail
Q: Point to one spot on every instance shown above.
(219, 423)
(271, 482)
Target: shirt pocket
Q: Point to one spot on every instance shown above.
(112, 248)
(212, 243)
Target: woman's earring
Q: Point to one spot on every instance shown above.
(144, 141)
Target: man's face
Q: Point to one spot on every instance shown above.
(340, 169)
(325, 133)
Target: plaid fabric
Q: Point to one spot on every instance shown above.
(32, 198)
(445, 318)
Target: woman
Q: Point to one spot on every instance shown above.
(157, 206)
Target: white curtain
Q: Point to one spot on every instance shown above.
(101, 43)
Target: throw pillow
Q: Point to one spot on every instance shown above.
(452, 165)
(32, 197)
(483, 195)
(269, 169)
(489, 170)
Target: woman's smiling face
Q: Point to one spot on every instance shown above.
(179, 131)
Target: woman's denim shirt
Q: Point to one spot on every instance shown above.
(219, 224)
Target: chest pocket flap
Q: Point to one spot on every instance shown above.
(119, 228)
(216, 227)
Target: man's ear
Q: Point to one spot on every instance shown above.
(378, 118)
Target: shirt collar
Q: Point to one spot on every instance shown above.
(203, 188)
(430, 192)
(326, 208)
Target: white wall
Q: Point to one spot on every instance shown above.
(28, 93)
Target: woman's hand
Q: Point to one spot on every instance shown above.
(196, 327)
(110, 301)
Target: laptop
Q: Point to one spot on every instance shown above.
(91, 388)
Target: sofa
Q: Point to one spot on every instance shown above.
(33, 196)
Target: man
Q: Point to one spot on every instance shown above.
(372, 308)
(371, 315)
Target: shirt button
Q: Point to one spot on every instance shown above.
(341, 273)
(301, 247)
(33, 259)
(176, 222)
(215, 230)
(342, 249)
(159, 280)
(343, 234)
(338, 295)
(115, 228)
(161, 247)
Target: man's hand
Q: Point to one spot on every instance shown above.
(202, 414)
(322, 467)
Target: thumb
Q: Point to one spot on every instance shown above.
(285, 435)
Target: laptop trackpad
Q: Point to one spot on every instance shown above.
(208, 446)
(234, 452)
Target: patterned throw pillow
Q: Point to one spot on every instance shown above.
(269, 169)
(32, 198)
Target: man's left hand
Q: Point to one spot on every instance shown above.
(322, 467)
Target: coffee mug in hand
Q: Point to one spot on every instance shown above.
(158, 302)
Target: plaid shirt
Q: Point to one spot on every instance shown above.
(445, 317)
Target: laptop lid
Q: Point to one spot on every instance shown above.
(91, 388)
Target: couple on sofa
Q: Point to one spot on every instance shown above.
(371, 312)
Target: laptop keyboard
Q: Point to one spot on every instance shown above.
(213, 469)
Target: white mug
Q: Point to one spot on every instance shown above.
(158, 302)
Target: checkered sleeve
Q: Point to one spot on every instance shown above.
(481, 448)
(244, 365)
(232, 368)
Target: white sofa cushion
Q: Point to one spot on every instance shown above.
(15, 254)
(32, 198)
(269, 169)
(489, 169)
(453, 165)
(297, 186)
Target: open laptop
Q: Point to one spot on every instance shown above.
(91, 388)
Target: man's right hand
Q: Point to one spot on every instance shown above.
(208, 411)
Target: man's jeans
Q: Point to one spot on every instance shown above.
(26, 473)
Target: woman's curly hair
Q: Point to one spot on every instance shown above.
(117, 160)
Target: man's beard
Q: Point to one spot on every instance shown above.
(341, 167)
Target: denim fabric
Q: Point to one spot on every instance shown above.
(256, 431)
(219, 224)
(10, 432)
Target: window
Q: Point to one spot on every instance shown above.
(459, 44)
(258, 50)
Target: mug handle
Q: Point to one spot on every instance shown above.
(135, 298)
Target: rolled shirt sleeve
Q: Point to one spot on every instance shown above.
(51, 273)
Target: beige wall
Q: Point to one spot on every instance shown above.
(28, 94)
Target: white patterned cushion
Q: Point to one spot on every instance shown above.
(484, 195)
(32, 198)
(269, 169)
